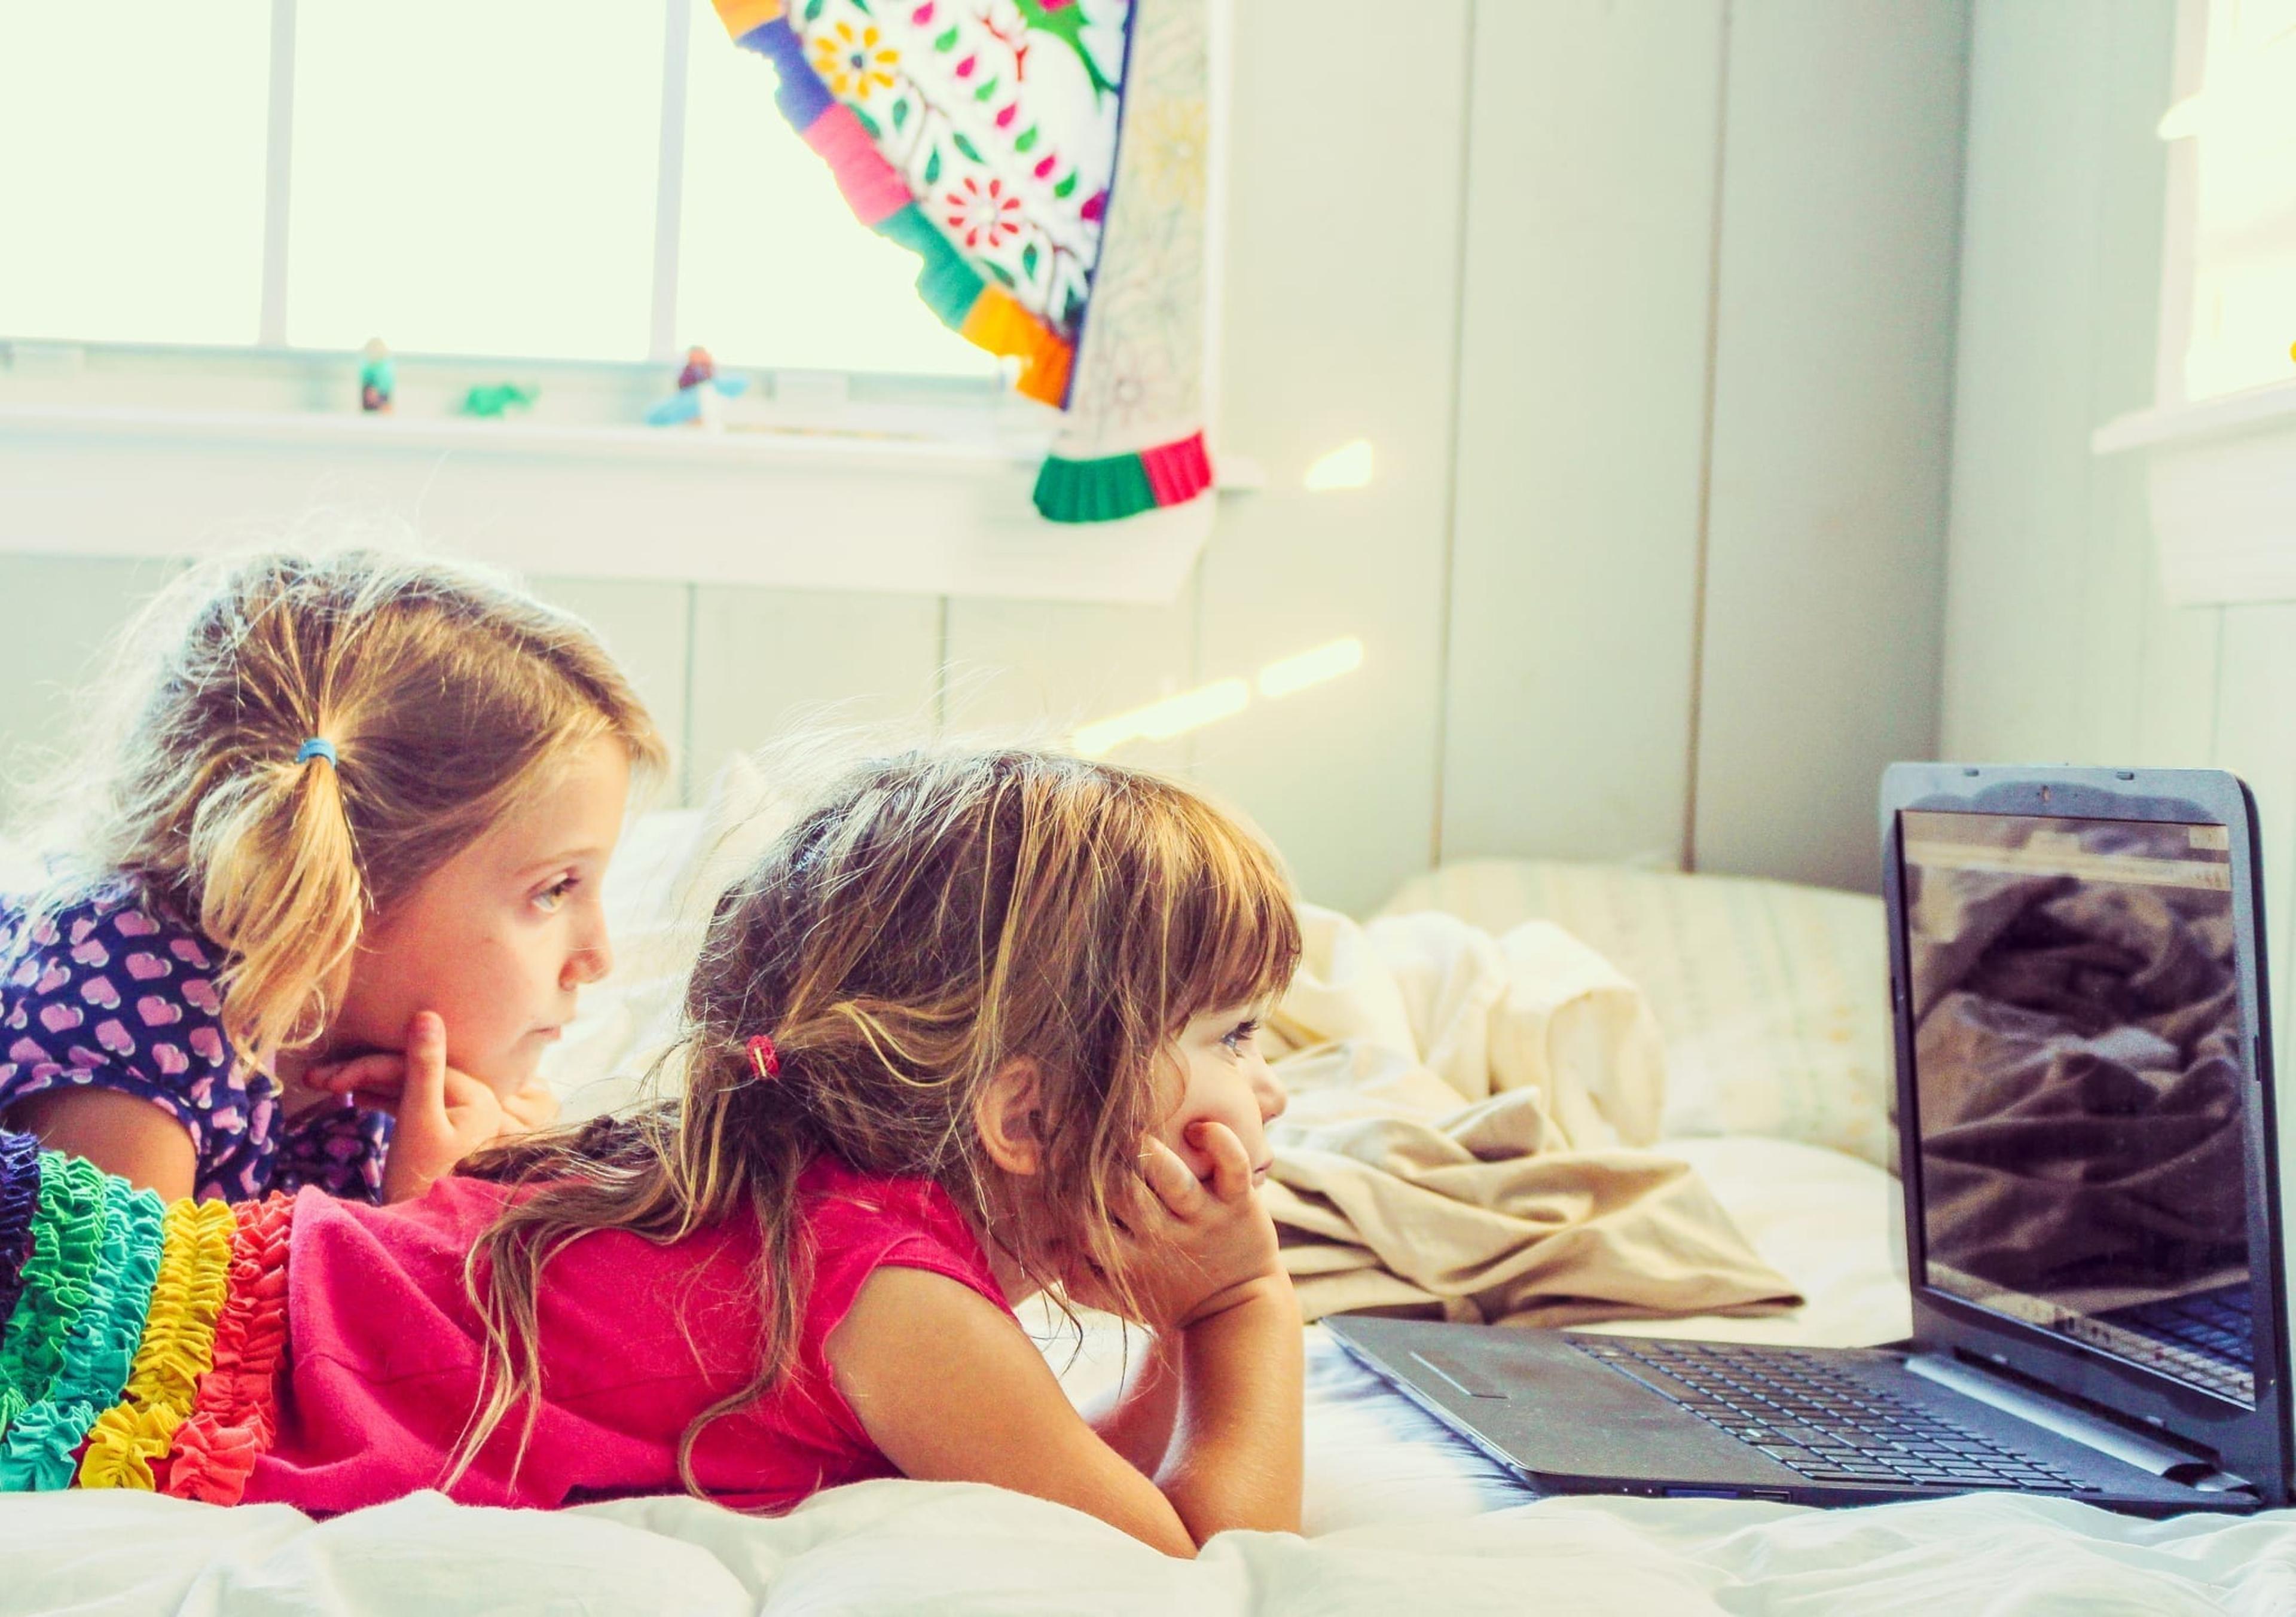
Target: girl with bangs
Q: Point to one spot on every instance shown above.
(976, 1026)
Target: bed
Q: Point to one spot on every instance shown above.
(1769, 1000)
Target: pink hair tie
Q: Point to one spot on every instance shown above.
(764, 1059)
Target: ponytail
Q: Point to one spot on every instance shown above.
(211, 780)
(272, 857)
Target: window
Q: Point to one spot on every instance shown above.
(2232, 231)
(606, 181)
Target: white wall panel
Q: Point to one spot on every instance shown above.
(2257, 693)
(63, 613)
(767, 662)
(1342, 237)
(645, 625)
(1581, 414)
(1840, 215)
(2059, 643)
(1041, 668)
(2015, 629)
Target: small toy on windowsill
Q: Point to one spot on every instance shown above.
(377, 378)
(492, 401)
(700, 388)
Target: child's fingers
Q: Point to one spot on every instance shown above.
(1231, 1177)
(377, 1074)
(380, 1097)
(422, 1090)
(1133, 1204)
(1174, 1185)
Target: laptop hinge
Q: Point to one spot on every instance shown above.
(2193, 1468)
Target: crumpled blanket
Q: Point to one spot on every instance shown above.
(1463, 1132)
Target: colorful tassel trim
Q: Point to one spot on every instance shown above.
(1118, 485)
(741, 16)
(960, 297)
(145, 1348)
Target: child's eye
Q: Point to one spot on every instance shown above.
(1238, 1038)
(549, 900)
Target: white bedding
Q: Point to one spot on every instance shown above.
(897, 1547)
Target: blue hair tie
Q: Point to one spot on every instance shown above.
(315, 748)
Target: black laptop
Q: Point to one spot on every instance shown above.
(2088, 1151)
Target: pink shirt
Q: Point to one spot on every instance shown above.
(637, 1340)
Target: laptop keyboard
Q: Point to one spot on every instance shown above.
(1831, 1428)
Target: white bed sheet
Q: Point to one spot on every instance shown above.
(900, 1547)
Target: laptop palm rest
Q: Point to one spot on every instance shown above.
(1508, 1389)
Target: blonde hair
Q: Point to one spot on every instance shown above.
(937, 917)
(446, 694)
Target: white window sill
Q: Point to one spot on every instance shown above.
(2221, 479)
(843, 509)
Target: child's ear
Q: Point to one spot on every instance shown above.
(1006, 1111)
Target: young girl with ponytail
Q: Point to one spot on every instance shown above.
(330, 873)
(977, 1025)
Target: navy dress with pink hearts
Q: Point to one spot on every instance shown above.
(114, 992)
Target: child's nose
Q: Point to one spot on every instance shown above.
(590, 962)
(1271, 1094)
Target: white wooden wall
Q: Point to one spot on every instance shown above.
(1644, 307)
(1703, 415)
(2058, 644)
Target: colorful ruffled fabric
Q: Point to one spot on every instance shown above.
(177, 1349)
(40, 1452)
(67, 1241)
(145, 1348)
(20, 1194)
(237, 1411)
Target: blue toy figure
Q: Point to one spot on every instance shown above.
(699, 389)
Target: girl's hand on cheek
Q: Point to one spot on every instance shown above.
(443, 1115)
(534, 1106)
(1197, 1247)
(377, 1080)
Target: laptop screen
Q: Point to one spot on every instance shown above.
(2080, 1083)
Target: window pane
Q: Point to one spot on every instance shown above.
(2244, 231)
(475, 176)
(773, 267)
(131, 169)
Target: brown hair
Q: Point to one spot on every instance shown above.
(447, 695)
(935, 917)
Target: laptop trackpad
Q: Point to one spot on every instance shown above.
(1464, 1376)
(1554, 1413)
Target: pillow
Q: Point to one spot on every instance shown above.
(1772, 998)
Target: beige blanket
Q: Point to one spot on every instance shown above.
(1461, 1138)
